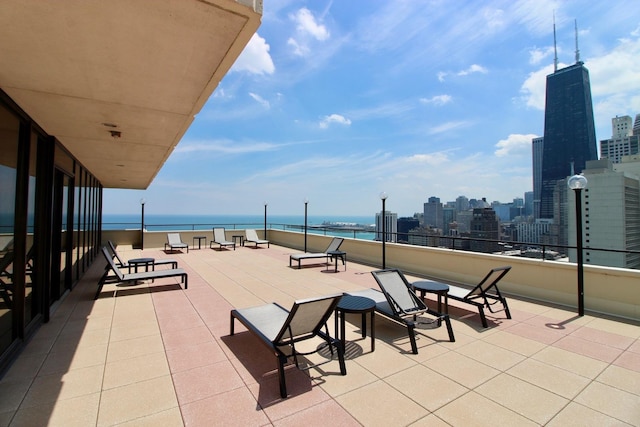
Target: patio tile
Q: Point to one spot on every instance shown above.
(543, 335)
(233, 408)
(523, 398)
(474, 409)
(619, 404)
(136, 400)
(134, 347)
(193, 356)
(591, 349)
(570, 361)
(135, 369)
(610, 339)
(515, 343)
(206, 381)
(577, 415)
(430, 420)
(380, 404)
(462, 369)
(621, 378)
(169, 418)
(556, 380)
(330, 411)
(629, 360)
(61, 386)
(491, 355)
(63, 360)
(12, 392)
(437, 391)
(356, 377)
(176, 339)
(79, 411)
(385, 361)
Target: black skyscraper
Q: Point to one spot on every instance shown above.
(569, 134)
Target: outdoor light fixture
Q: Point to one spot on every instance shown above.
(142, 202)
(577, 183)
(306, 202)
(116, 134)
(383, 197)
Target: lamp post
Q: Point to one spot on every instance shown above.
(142, 202)
(383, 197)
(577, 183)
(265, 220)
(306, 202)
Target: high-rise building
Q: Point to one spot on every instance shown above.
(622, 142)
(462, 203)
(404, 226)
(433, 216)
(537, 146)
(569, 131)
(390, 226)
(611, 215)
(485, 225)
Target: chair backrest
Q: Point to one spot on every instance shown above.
(112, 265)
(490, 281)
(219, 235)
(251, 235)
(115, 254)
(335, 244)
(6, 261)
(395, 287)
(174, 238)
(306, 319)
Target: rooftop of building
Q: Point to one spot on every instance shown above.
(157, 354)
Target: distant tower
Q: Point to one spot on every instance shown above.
(433, 213)
(537, 148)
(622, 141)
(569, 131)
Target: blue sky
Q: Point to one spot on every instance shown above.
(337, 101)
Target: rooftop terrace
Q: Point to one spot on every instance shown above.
(156, 354)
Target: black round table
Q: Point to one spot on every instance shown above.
(334, 255)
(356, 305)
(440, 289)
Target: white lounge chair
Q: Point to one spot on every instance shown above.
(175, 242)
(252, 237)
(220, 238)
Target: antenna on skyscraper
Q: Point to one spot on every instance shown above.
(555, 49)
(577, 50)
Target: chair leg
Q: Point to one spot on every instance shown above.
(483, 318)
(340, 349)
(506, 308)
(412, 338)
(447, 321)
(282, 360)
(231, 325)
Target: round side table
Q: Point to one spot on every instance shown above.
(357, 305)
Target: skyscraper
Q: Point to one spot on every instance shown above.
(569, 131)
(622, 142)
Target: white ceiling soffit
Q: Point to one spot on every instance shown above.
(86, 70)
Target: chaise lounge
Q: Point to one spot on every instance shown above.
(333, 246)
(485, 291)
(122, 264)
(398, 302)
(174, 241)
(252, 237)
(280, 329)
(220, 238)
(121, 277)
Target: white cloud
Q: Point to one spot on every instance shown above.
(437, 100)
(441, 75)
(334, 118)
(260, 100)
(515, 144)
(448, 126)
(255, 57)
(225, 146)
(298, 49)
(306, 23)
(475, 68)
(432, 159)
(537, 55)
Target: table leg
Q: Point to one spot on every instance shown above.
(364, 325)
(373, 331)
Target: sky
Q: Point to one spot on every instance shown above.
(335, 102)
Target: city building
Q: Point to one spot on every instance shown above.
(433, 216)
(390, 224)
(405, 225)
(462, 203)
(528, 203)
(610, 215)
(623, 142)
(92, 97)
(537, 148)
(569, 131)
(485, 225)
(531, 232)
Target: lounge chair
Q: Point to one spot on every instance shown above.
(333, 246)
(401, 304)
(280, 329)
(122, 264)
(175, 242)
(252, 237)
(6, 278)
(483, 292)
(220, 238)
(120, 277)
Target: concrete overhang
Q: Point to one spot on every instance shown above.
(119, 82)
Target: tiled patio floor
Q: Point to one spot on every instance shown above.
(157, 355)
